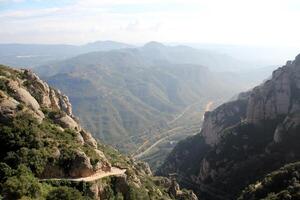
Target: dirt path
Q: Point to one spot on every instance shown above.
(98, 175)
(157, 142)
(181, 114)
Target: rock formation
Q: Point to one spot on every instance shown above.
(244, 139)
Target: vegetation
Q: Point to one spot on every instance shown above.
(282, 184)
(65, 193)
(246, 153)
(33, 150)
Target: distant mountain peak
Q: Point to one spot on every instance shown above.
(154, 44)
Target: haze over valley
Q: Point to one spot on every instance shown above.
(148, 100)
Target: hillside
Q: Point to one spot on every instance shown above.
(243, 140)
(46, 154)
(280, 184)
(132, 92)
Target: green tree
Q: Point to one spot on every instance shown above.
(22, 184)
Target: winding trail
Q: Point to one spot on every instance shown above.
(98, 175)
(157, 142)
(181, 114)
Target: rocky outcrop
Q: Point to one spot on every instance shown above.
(8, 107)
(224, 116)
(81, 166)
(23, 92)
(273, 98)
(278, 96)
(88, 138)
(242, 140)
(22, 95)
(67, 121)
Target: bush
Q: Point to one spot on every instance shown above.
(22, 184)
(64, 193)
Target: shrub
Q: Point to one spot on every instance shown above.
(22, 184)
(64, 193)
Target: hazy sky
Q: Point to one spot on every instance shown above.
(251, 22)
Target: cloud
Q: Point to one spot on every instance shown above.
(211, 21)
(11, 1)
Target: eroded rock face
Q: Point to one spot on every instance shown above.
(88, 138)
(68, 122)
(81, 166)
(270, 99)
(243, 139)
(22, 95)
(8, 107)
(39, 88)
(278, 96)
(226, 115)
(26, 93)
(46, 96)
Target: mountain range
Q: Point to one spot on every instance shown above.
(31, 55)
(123, 93)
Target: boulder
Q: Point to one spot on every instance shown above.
(8, 107)
(68, 122)
(25, 97)
(88, 138)
(81, 166)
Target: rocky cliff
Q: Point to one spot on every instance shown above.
(43, 150)
(244, 139)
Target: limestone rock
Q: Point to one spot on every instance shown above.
(68, 122)
(278, 133)
(38, 88)
(25, 97)
(8, 107)
(87, 137)
(81, 166)
(103, 164)
(226, 115)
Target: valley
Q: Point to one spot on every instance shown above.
(149, 100)
(132, 97)
(156, 146)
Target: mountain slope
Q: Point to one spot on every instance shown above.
(243, 140)
(280, 184)
(44, 150)
(123, 93)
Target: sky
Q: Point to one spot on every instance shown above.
(238, 22)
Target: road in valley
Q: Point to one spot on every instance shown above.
(138, 155)
(156, 143)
